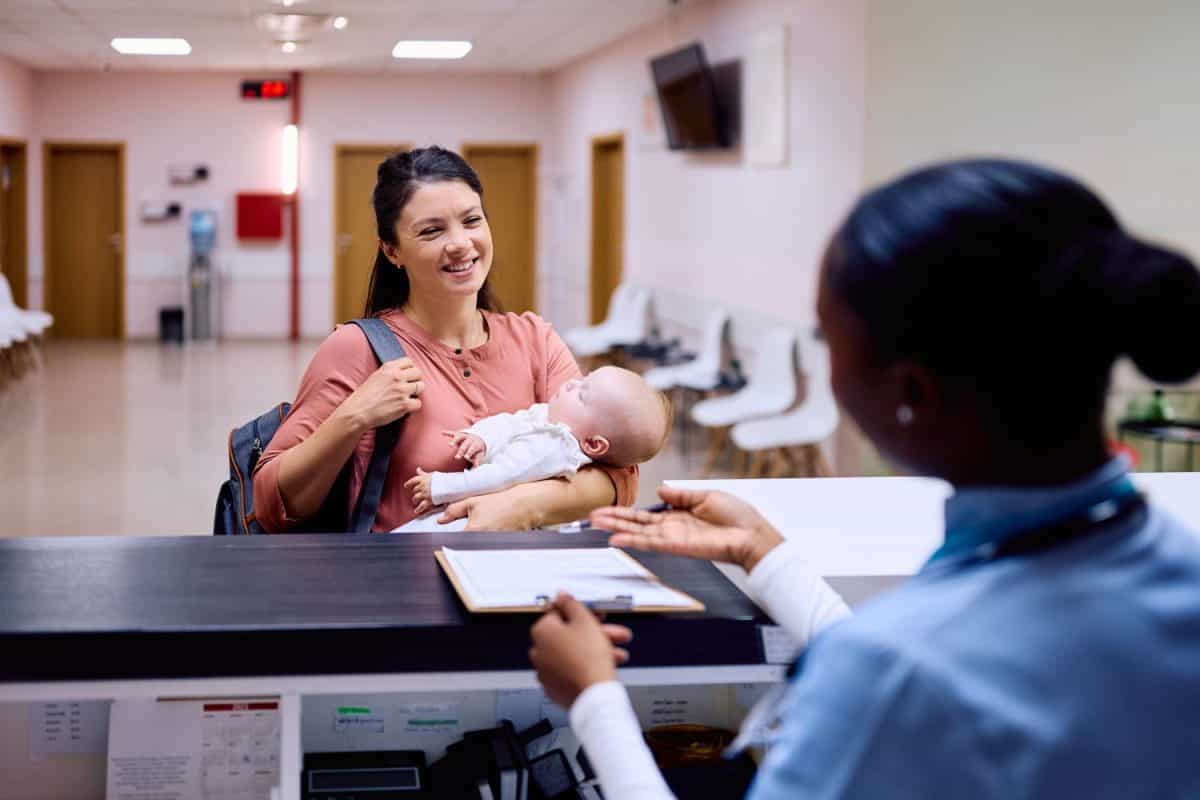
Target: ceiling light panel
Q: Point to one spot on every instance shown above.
(431, 49)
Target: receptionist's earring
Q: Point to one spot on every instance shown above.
(905, 415)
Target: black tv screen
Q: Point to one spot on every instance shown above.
(688, 99)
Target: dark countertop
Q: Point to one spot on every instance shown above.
(100, 608)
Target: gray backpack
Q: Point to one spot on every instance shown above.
(235, 500)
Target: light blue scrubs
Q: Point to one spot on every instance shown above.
(1073, 672)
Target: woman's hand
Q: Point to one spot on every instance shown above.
(572, 650)
(388, 393)
(500, 511)
(711, 525)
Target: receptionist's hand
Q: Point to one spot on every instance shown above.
(711, 525)
(573, 650)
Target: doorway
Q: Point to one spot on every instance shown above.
(84, 224)
(608, 220)
(13, 216)
(355, 239)
(509, 176)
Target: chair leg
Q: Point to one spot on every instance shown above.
(758, 463)
(716, 443)
(781, 463)
(821, 464)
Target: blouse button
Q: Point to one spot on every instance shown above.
(466, 373)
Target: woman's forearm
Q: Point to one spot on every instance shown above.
(308, 471)
(559, 500)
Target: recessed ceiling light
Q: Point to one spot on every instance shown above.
(288, 47)
(151, 47)
(340, 23)
(288, 3)
(418, 49)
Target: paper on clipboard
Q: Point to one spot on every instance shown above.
(490, 580)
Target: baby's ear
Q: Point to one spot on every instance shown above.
(595, 446)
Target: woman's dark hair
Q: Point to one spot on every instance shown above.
(397, 178)
(1018, 281)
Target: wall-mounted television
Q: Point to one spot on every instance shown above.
(687, 95)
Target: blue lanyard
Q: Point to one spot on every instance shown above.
(1043, 530)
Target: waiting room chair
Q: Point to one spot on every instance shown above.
(703, 373)
(627, 323)
(34, 322)
(790, 443)
(771, 390)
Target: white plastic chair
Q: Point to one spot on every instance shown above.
(771, 390)
(12, 336)
(703, 373)
(34, 323)
(805, 427)
(627, 323)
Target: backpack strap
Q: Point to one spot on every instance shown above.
(387, 348)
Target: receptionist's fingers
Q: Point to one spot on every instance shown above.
(623, 519)
(618, 634)
(681, 498)
(620, 656)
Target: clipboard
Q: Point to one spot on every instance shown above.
(539, 601)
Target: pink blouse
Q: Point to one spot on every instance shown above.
(523, 362)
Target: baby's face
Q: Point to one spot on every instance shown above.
(570, 406)
(611, 407)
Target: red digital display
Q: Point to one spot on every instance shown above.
(266, 90)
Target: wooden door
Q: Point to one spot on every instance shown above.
(84, 232)
(509, 176)
(12, 220)
(355, 238)
(608, 220)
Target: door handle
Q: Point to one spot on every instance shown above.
(114, 241)
(343, 242)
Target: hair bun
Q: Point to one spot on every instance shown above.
(1152, 298)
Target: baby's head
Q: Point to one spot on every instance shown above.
(616, 416)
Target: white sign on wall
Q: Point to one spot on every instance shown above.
(766, 104)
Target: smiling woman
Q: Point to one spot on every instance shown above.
(466, 361)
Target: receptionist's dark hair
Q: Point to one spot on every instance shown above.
(1016, 280)
(396, 180)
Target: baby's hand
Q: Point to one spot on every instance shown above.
(422, 494)
(470, 447)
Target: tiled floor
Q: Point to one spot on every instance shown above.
(116, 439)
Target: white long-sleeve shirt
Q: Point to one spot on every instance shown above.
(522, 447)
(605, 722)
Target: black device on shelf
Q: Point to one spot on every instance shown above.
(692, 115)
(365, 775)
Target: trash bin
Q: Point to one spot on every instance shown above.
(170, 325)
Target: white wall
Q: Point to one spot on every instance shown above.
(199, 118)
(1107, 91)
(710, 226)
(16, 99)
(166, 118)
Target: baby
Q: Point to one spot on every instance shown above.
(611, 416)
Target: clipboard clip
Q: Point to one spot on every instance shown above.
(622, 602)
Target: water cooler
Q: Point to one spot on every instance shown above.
(202, 276)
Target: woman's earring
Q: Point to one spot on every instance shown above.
(905, 415)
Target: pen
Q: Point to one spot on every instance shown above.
(622, 602)
(583, 524)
